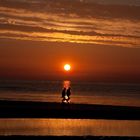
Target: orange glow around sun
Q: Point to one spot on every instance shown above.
(67, 67)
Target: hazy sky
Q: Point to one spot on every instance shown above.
(99, 38)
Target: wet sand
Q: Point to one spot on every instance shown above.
(27, 109)
(68, 127)
(71, 137)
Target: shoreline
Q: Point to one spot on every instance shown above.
(27, 109)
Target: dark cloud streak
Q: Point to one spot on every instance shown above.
(67, 20)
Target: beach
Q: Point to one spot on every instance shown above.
(96, 111)
(28, 109)
(24, 119)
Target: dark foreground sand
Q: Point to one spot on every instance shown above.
(26, 109)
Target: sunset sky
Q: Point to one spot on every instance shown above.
(99, 38)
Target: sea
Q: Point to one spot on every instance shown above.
(123, 94)
(120, 94)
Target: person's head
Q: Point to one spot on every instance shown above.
(66, 84)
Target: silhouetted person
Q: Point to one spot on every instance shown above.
(63, 92)
(66, 92)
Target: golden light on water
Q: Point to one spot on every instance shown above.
(67, 67)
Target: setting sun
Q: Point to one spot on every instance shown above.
(67, 67)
